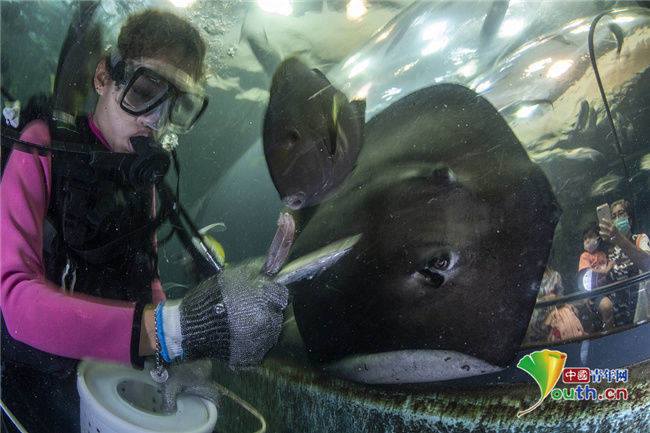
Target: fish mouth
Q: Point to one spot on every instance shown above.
(295, 201)
(410, 366)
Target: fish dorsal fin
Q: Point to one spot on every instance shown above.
(358, 107)
(336, 131)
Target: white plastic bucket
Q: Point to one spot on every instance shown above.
(119, 399)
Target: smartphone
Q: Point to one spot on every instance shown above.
(604, 213)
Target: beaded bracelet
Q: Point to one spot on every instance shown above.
(159, 373)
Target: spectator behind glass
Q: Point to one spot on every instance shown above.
(556, 322)
(594, 258)
(593, 268)
(629, 253)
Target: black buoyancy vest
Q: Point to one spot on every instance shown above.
(104, 226)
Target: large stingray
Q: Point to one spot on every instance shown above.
(456, 226)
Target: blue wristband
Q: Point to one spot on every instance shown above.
(161, 334)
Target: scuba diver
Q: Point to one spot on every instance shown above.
(78, 253)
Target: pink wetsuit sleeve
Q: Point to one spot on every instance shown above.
(37, 311)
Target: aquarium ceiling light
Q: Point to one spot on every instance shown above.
(438, 36)
(582, 29)
(359, 68)
(525, 112)
(623, 19)
(483, 86)
(469, 69)
(538, 65)
(363, 92)
(559, 68)
(511, 27)
(355, 9)
(385, 34)
(279, 7)
(182, 3)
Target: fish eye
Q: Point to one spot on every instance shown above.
(293, 136)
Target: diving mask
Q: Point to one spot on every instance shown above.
(165, 95)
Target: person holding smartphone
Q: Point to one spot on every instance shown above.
(629, 253)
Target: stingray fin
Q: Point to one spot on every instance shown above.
(310, 265)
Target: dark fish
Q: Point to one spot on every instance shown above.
(618, 34)
(583, 115)
(605, 184)
(312, 134)
(493, 21)
(456, 223)
(258, 41)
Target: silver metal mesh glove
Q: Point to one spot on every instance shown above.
(235, 316)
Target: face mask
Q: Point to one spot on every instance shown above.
(591, 245)
(167, 96)
(623, 224)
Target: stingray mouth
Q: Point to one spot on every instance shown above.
(410, 366)
(295, 201)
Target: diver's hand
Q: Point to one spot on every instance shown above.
(235, 316)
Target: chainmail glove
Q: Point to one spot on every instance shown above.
(235, 316)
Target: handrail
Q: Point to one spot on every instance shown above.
(604, 290)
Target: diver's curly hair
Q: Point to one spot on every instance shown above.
(161, 34)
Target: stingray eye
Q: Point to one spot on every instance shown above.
(436, 269)
(441, 263)
(443, 176)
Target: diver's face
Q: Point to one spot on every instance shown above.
(116, 125)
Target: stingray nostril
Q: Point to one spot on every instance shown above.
(431, 278)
